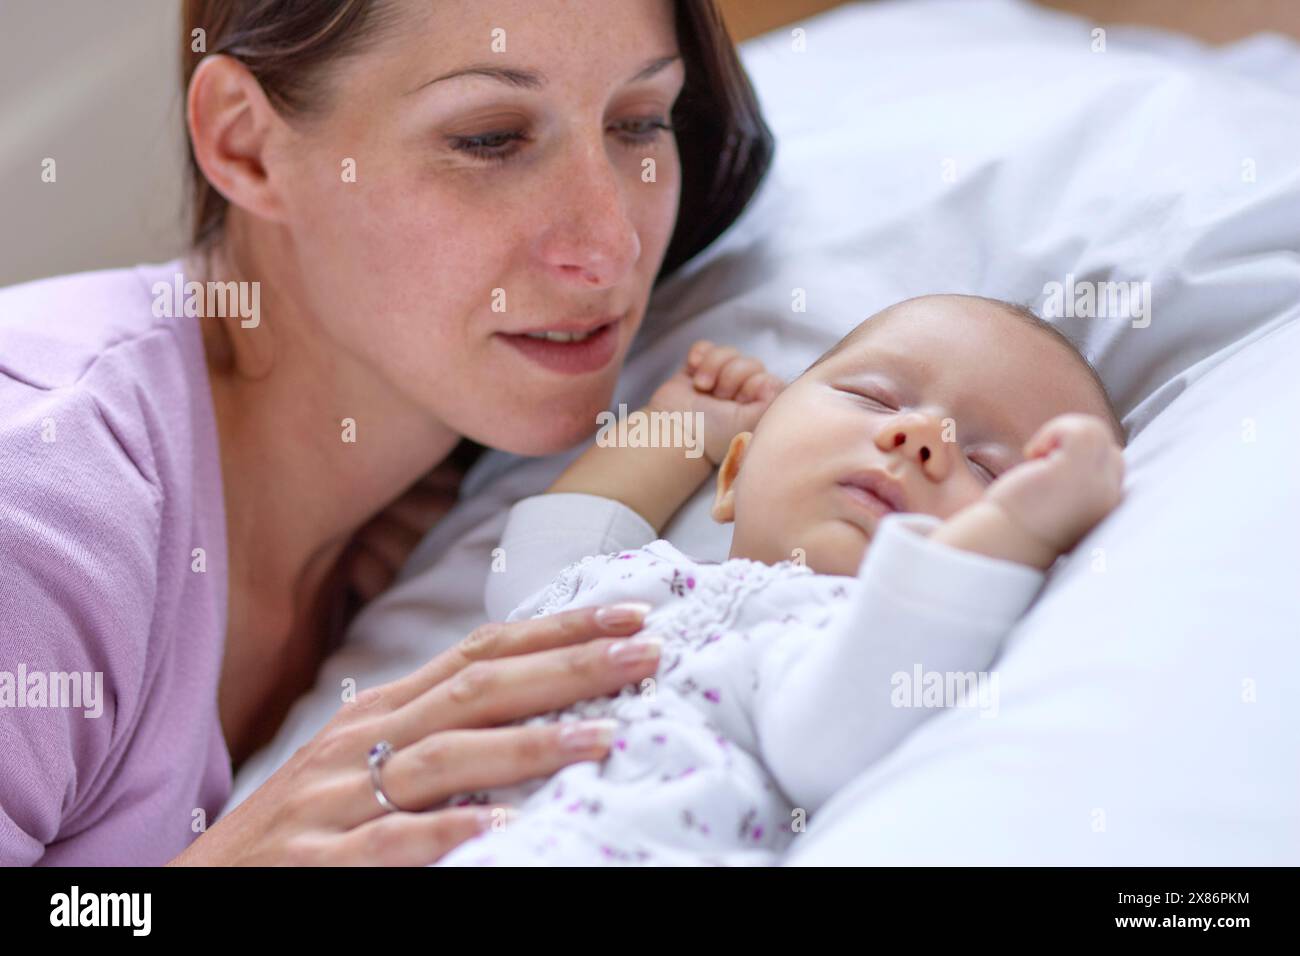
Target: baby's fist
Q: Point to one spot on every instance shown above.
(731, 390)
(1070, 479)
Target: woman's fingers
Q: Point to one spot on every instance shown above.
(498, 674)
(488, 693)
(492, 641)
(410, 839)
(312, 808)
(459, 761)
(432, 770)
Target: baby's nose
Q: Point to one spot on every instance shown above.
(919, 438)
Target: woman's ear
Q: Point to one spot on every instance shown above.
(231, 122)
(724, 500)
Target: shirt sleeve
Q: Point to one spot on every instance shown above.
(829, 705)
(79, 527)
(545, 534)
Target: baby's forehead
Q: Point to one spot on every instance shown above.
(956, 329)
(948, 313)
(979, 351)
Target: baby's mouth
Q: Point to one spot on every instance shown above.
(876, 490)
(877, 506)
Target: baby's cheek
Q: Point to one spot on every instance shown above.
(963, 493)
(830, 548)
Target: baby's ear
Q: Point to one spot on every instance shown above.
(724, 500)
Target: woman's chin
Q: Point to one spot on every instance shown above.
(531, 434)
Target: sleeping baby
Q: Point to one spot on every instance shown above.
(895, 509)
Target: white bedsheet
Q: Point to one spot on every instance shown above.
(982, 146)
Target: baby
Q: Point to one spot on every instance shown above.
(960, 444)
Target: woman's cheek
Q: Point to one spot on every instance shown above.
(664, 199)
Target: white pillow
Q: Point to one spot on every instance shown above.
(981, 146)
(1148, 703)
(1122, 165)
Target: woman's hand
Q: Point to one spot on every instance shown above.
(319, 809)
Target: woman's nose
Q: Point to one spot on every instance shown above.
(919, 438)
(592, 235)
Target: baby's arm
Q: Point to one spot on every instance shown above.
(546, 533)
(930, 608)
(1070, 479)
(723, 391)
(829, 704)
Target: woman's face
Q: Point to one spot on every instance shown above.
(512, 176)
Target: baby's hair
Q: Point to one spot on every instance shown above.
(1030, 317)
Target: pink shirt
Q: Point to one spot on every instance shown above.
(110, 479)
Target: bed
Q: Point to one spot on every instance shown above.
(1147, 708)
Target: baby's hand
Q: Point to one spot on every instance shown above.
(1070, 479)
(731, 390)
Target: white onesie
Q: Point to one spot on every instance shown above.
(776, 685)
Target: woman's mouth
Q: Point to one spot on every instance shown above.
(568, 351)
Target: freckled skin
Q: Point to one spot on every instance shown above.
(398, 270)
(377, 295)
(941, 357)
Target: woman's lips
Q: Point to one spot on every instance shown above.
(591, 354)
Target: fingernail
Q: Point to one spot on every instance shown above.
(637, 650)
(617, 616)
(497, 818)
(588, 734)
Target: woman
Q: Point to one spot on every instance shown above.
(447, 219)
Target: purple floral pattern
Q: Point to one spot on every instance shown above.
(682, 782)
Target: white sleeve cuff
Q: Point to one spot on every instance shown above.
(904, 563)
(601, 524)
(546, 533)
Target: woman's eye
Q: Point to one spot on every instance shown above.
(500, 146)
(490, 147)
(645, 130)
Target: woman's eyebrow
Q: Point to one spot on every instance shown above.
(535, 79)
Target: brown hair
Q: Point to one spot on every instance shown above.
(725, 146)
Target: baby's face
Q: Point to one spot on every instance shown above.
(919, 413)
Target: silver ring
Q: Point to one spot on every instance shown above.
(379, 755)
